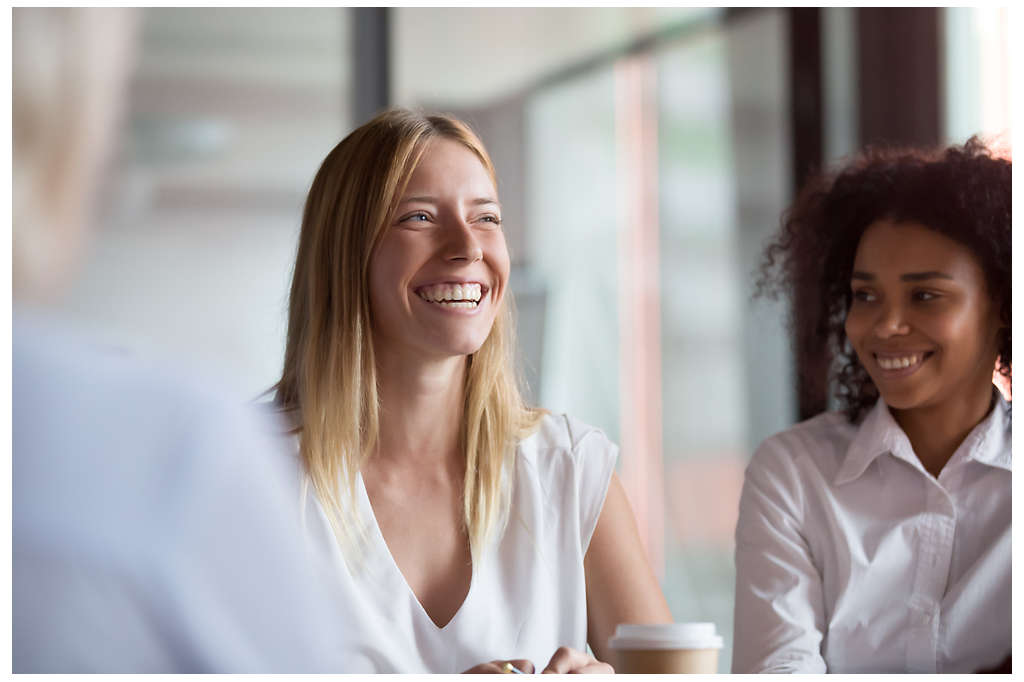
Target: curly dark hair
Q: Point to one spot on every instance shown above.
(963, 193)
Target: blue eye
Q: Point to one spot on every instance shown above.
(418, 217)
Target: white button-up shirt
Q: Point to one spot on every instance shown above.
(851, 557)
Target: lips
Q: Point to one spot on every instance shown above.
(900, 363)
(467, 295)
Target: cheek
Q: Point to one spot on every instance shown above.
(854, 326)
(377, 276)
(384, 280)
(500, 262)
(378, 306)
(392, 264)
(969, 327)
(857, 327)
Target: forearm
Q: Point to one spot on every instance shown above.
(621, 587)
(779, 614)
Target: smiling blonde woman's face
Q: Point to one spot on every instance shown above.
(438, 275)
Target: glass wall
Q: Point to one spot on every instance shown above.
(571, 239)
(976, 68)
(652, 185)
(228, 115)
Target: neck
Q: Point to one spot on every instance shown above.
(936, 431)
(421, 410)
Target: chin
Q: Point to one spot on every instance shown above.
(896, 404)
(456, 347)
(467, 349)
(903, 400)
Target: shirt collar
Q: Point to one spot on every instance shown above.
(990, 441)
(879, 434)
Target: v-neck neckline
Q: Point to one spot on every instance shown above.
(397, 571)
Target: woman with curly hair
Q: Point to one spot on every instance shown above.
(876, 538)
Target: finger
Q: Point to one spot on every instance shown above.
(494, 667)
(596, 668)
(523, 664)
(499, 666)
(567, 660)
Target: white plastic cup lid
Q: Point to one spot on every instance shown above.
(666, 636)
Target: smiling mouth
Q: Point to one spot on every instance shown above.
(466, 295)
(901, 364)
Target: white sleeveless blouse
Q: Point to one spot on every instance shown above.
(528, 593)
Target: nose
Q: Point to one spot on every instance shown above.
(891, 322)
(463, 243)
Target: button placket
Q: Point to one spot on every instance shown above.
(944, 559)
(934, 550)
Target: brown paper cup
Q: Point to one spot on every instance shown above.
(665, 661)
(673, 648)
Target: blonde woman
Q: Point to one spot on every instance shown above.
(463, 529)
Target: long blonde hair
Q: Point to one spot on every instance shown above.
(329, 379)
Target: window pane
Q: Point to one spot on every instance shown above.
(670, 164)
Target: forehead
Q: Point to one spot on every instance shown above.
(911, 247)
(447, 164)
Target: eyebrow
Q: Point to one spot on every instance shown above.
(906, 277)
(481, 201)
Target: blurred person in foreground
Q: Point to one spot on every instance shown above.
(877, 538)
(462, 529)
(150, 529)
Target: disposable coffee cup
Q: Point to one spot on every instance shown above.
(670, 648)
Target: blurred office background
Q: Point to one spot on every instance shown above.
(644, 154)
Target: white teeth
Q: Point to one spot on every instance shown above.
(900, 363)
(469, 293)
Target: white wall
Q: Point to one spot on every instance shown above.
(460, 56)
(230, 113)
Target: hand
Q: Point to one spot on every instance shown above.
(568, 660)
(499, 666)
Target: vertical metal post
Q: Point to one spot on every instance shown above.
(805, 93)
(898, 60)
(371, 62)
(806, 102)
